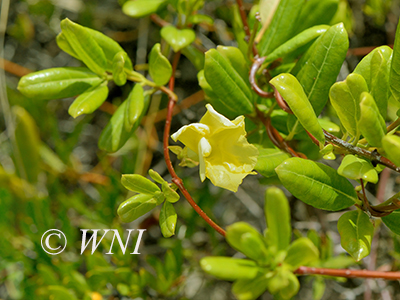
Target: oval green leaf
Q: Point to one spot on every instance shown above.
(282, 26)
(89, 101)
(227, 268)
(301, 252)
(58, 83)
(345, 99)
(118, 66)
(114, 135)
(178, 39)
(169, 193)
(236, 59)
(168, 218)
(353, 167)
(248, 240)
(292, 91)
(136, 206)
(134, 107)
(139, 184)
(318, 69)
(371, 123)
(356, 232)
(394, 77)
(141, 8)
(159, 67)
(84, 46)
(277, 214)
(391, 145)
(380, 70)
(296, 42)
(251, 289)
(27, 140)
(227, 84)
(268, 159)
(316, 184)
(392, 221)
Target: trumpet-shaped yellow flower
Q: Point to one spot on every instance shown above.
(224, 154)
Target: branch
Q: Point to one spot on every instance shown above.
(347, 273)
(373, 156)
(175, 178)
(246, 27)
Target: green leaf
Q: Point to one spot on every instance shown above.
(277, 214)
(89, 101)
(178, 39)
(282, 26)
(159, 67)
(118, 67)
(27, 140)
(168, 218)
(250, 289)
(107, 44)
(380, 70)
(372, 125)
(315, 12)
(247, 240)
(278, 281)
(375, 68)
(195, 56)
(292, 288)
(139, 184)
(142, 8)
(268, 159)
(345, 99)
(227, 268)
(296, 42)
(136, 206)
(356, 232)
(84, 46)
(169, 193)
(293, 93)
(391, 145)
(134, 107)
(318, 69)
(60, 293)
(57, 83)
(197, 19)
(114, 135)
(393, 221)
(301, 252)
(353, 167)
(236, 59)
(394, 77)
(156, 177)
(212, 98)
(227, 84)
(316, 184)
(318, 288)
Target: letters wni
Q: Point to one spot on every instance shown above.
(95, 244)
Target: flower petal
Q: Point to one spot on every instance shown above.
(214, 120)
(204, 149)
(190, 135)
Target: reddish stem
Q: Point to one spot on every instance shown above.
(281, 102)
(252, 78)
(347, 273)
(246, 27)
(159, 21)
(175, 177)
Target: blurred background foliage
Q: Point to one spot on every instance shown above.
(52, 174)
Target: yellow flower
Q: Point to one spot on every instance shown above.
(224, 154)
